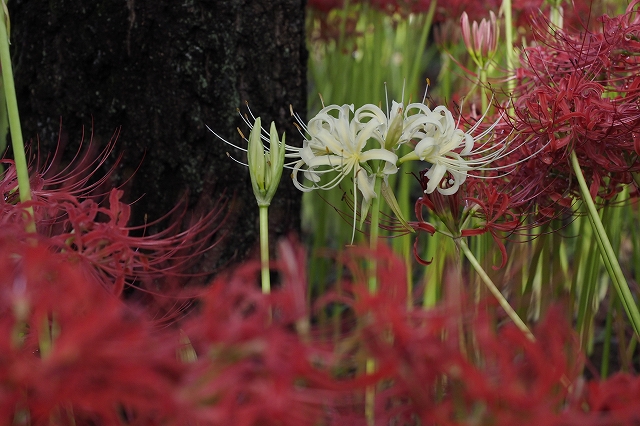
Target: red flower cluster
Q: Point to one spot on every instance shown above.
(486, 200)
(74, 215)
(579, 92)
(73, 353)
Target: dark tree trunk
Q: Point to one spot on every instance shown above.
(159, 72)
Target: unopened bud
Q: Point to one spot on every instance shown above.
(480, 39)
(265, 168)
(395, 131)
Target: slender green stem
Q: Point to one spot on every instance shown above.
(264, 249)
(4, 124)
(606, 348)
(485, 91)
(402, 244)
(580, 252)
(508, 41)
(609, 258)
(22, 169)
(587, 293)
(374, 232)
(417, 63)
(532, 271)
(370, 394)
(462, 244)
(555, 15)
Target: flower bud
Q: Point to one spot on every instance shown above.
(395, 131)
(275, 161)
(480, 39)
(265, 168)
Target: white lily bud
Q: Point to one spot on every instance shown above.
(265, 167)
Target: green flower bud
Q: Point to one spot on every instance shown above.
(265, 168)
(256, 158)
(395, 131)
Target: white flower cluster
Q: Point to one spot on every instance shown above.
(340, 142)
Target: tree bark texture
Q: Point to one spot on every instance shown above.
(159, 71)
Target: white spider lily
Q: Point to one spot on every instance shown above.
(450, 149)
(337, 147)
(395, 128)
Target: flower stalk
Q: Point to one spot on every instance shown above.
(264, 249)
(22, 169)
(609, 257)
(265, 169)
(508, 41)
(374, 232)
(462, 245)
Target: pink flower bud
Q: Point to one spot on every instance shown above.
(481, 39)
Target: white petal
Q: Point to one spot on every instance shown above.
(435, 175)
(366, 185)
(378, 154)
(390, 169)
(425, 148)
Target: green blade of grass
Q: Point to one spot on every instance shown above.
(609, 258)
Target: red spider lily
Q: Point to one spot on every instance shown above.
(101, 240)
(70, 353)
(578, 93)
(478, 197)
(496, 212)
(402, 7)
(79, 179)
(533, 379)
(576, 14)
(326, 27)
(253, 368)
(71, 212)
(429, 374)
(617, 398)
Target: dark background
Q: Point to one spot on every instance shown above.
(159, 72)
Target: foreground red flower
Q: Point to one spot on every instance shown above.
(71, 353)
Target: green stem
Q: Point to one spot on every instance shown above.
(4, 124)
(606, 346)
(370, 394)
(462, 244)
(264, 249)
(374, 231)
(609, 258)
(485, 92)
(439, 248)
(417, 63)
(22, 169)
(587, 294)
(508, 41)
(555, 15)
